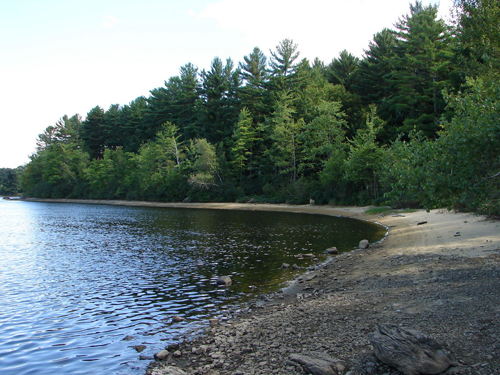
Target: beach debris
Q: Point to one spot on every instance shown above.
(457, 234)
(422, 222)
(364, 244)
(409, 351)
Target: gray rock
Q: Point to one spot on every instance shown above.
(168, 370)
(186, 200)
(139, 348)
(332, 250)
(364, 244)
(315, 365)
(409, 351)
(161, 355)
(224, 280)
(285, 266)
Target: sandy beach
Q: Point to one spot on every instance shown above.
(437, 272)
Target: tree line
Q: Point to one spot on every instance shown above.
(415, 122)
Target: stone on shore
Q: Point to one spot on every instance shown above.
(364, 244)
(224, 281)
(168, 370)
(332, 250)
(323, 365)
(409, 351)
(162, 355)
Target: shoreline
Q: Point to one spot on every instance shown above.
(437, 272)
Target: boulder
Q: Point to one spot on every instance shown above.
(319, 365)
(177, 319)
(168, 370)
(162, 355)
(186, 200)
(139, 348)
(364, 244)
(409, 351)
(285, 266)
(332, 250)
(224, 281)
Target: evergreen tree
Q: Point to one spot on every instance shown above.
(342, 70)
(92, 133)
(420, 71)
(244, 136)
(252, 93)
(220, 104)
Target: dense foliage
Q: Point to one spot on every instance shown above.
(414, 122)
(9, 181)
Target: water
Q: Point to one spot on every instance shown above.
(75, 280)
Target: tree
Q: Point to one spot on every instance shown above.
(244, 136)
(365, 157)
(220, 105)
(252, 93)
(285, 131)
(342, 70)
(92, 132)
(283, 65)
(420, 71)
(205, 166)
(479, 35)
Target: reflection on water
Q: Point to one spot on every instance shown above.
(75, 280)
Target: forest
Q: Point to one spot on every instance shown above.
(414, 123)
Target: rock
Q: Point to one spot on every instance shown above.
(409, 351)
(145, 358)
(177, 319)
(224, 280)
(168, 370)
(315, 365)
(312, 202)
(186, 200)
(140, 348)
(162, 355)
(332, 250)
(295, 267)
(310, 255)
(128, 338)
(214, 322)
(285, 266)
(364, 244)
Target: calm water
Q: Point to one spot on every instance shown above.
(75, 280)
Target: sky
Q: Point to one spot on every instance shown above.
(64, 57)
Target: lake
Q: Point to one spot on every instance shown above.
(82, 284)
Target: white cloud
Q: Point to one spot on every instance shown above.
(109, 22)
(322, 28)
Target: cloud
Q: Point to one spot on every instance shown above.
(321, 28)
(109, 22)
